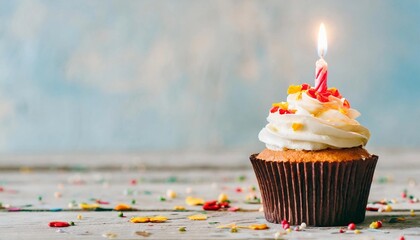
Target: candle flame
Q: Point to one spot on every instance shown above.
(322, 41)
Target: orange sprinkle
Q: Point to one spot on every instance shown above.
(297, 126)
(122, 207)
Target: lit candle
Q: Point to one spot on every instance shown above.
(321, 71)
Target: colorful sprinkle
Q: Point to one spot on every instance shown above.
(258, 226)
(58, 224)
(375, 225)
(388, 208)
(156, 219)
(198, 217)
(192, 201)
(182, 229)
(297, 126)
(294, 89)
(86, 206)
(122, 207)
(171, 193)
(351, 226)
(179, 208)
(222, 198)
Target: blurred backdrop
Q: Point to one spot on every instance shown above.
(133, 76)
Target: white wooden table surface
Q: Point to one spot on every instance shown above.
(35, 190)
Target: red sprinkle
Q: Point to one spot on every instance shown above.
(238, 189)
(323, 97)
(211, 206)
(346, 103)
(133, 181)
(274, 109)
(284, 221)
(224, 204)
(305, 86)
(404, 195)
(312, 92)
(286, 226)
(372, 209)
(233, 209)
(402, 238)
(98, 201)
(379, 224)
(351, 226)
(342, 230)
(58, 224)
(335, 93)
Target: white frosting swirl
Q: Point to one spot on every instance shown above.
(320, 125)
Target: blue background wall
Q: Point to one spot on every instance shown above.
(116, 76)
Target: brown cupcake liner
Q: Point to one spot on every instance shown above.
(317, 193)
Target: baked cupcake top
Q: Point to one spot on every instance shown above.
(311, 120)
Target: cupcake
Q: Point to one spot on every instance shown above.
(315, 168)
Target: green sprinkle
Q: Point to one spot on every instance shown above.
(162, 199)
(39, 198)
(147, 192)
(172, 179)
(182, 229)
(212, 223)
(72, 223)
(120, 214)
(411, 197)
(133, 201)
(241, 178)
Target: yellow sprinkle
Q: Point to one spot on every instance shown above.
(171, 193)
(139, 219)
(294, 89)
(412, 213)
(234, 230)
(86, 206)
(388, 208)
(198, 217)
(258, 226)
(122, 207)
(222, 198)
(342, 110)
(158, 219)
(288, 230)
(373, 225)
(297, 126)
(25, 170)
(79, 217)
(192, 201)
(357, 231)
(282, 105)
(179, 208)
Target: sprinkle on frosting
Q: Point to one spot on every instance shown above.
(312, 120)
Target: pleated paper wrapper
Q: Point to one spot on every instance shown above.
(317, 193)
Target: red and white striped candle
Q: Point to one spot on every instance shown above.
(321, 71)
